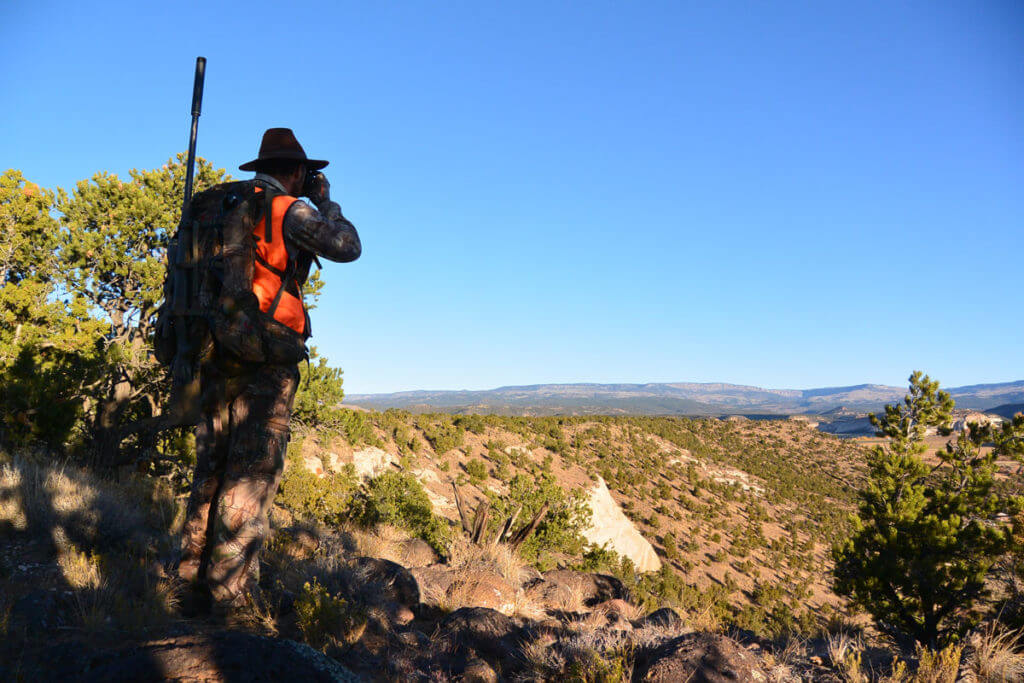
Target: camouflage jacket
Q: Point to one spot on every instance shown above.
(322, 231)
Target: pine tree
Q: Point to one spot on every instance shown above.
(925, 536)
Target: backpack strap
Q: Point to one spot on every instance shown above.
(289, 276)
(268, 214)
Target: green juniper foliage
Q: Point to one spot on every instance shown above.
(925, 537)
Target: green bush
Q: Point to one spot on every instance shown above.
(319, 393)
(441, 432)
(560, 531)
(398, 498)
(477, 471)
(471, 423)
(322, 499)
(327, 620)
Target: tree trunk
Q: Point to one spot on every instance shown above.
(108, 423)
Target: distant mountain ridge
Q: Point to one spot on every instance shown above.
(674, 398)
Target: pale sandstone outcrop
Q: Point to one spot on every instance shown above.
(610, 525)
(369, 462)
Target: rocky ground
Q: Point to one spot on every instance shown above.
(87, 589)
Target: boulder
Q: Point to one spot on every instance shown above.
(700, 658)
(222, 656)
(433, 582)
(610, 526)
(483, 630)
(666, 617)
(417, 553)
(478, 671)
(591, 588)
(314, 465)
(386, 581)
(369, 462)
(476, 588)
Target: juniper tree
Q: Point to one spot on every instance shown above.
(111, 247)
(925, 536)
(48, 339)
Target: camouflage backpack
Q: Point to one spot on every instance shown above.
(210, 313)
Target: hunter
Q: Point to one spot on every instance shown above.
(243, 433)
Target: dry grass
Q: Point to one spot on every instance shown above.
(938, 666)
(995, 655)
(568, 598)
(383, 541)
(499, 558)
(456, 595)
(705, 620)
(104, 541)
(525, 605)
(54, 499)
(260, 614)
(541, 659)
(844, 653)
(792, 650)
(81, 571)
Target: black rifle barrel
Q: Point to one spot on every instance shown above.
(197, 105)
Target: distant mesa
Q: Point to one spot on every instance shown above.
(683, 398)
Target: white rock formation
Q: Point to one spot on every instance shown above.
(371, 461)
(610, 525)
(314, 465)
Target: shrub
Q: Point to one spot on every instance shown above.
(477, 471)
(671, 549)
(319, 393)
(324, 499)
(470, 423)
(568, 515)
(327, 620)
(398, 498)
(442, 434)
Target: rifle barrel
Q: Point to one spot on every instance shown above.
(197, 105)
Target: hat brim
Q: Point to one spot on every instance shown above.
(310, 164)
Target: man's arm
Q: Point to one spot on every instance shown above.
(325, 233)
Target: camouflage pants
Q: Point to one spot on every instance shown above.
(240, 449)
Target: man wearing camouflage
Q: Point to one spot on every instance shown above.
(242, 435)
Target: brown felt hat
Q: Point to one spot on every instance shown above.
(280, 143)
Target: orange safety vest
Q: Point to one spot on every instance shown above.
(274, 272)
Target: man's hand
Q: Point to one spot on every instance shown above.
(317, 188)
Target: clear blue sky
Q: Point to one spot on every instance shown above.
(780, 194)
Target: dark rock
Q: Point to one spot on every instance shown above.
(485, 630)
(224, 656)
(594, 588)
(417, 553)
(699, 658)
(37, 610)
(386, 581)
(433, 582)
(479, 671)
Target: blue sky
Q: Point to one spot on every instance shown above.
(780, 194)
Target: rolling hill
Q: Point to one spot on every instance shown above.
(682, 398)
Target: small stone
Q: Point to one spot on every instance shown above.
(479, 671)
